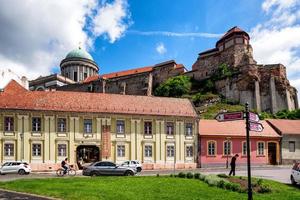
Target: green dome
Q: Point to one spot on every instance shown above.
(79, 53)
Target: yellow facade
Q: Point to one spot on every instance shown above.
(133, 140)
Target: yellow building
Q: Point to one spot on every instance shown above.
(44, 127)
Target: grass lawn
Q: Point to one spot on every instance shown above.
(138, 188)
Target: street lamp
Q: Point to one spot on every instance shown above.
(227, 151)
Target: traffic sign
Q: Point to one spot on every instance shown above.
(253, 117)
(229, 116)
(257, 127)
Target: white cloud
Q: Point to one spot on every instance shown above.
(160, 48)
(277, 40)
(36, 35)
(176, 34)
(112, 19)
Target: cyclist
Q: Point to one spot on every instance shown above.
(64, 164)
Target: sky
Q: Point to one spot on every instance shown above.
(35, 35)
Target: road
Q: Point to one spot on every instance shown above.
(277, 173)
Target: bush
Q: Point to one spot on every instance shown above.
(174, 87)
(223, 175)
(228, 186)
(264, 189)
(157, 175)
(171, 175)
(235, 187)
(181, 175)
(197, 175)
(259, 182)
(189, 175)
(221, 184)
(202, 177)
(212, 180)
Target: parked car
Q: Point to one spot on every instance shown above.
(134, 164)
(17, 167)
(107, 168)
(295, 175)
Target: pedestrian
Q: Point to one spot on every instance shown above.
(232, 164)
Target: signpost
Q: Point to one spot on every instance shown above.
(230, 116)
(252, 124)
(257, 127)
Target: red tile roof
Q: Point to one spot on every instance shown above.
(16, 97)
(128, 72)
(91, 78)
(233, 129)
(285, 126)
(232, 31)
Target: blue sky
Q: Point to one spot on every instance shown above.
(211, 16)
(123, 34)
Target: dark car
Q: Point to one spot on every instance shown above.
(107, 168)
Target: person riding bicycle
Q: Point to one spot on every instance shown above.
(64, 164)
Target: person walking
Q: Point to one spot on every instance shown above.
(232, 164)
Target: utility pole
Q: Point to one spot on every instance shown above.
(248, 152)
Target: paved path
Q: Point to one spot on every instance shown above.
(10, 195)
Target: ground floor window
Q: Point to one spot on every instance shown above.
(261, 148)
(170, 151)
(227, 148)
(148, 151)
(189, 151)
(8, 149)
(62, 150)
(121, 150)
(36, 149)
(292, 145)
(211, 148)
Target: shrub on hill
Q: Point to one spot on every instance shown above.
(174, 87)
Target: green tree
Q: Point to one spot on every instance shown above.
(174, 87)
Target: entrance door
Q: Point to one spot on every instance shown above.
(87, 154)
(272, 151)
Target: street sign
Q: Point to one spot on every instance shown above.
(253, 117)
(257, 127)
(230, 116)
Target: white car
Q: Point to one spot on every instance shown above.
(295, 176)
(134, 164)
(15, 167)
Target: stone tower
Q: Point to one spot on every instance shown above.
(78, 65)
(264, 87)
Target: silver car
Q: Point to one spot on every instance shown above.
(16, 167)
(107, 168)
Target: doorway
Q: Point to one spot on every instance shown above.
(272, 152)
(87, 154)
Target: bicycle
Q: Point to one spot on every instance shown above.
(70, 172)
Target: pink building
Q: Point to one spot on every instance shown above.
(220, 141)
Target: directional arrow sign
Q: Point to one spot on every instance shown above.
(230, 116)
(257, 127)
(253, 117)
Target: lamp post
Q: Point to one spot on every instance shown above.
(227, 151)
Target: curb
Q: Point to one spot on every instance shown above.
(29, 194)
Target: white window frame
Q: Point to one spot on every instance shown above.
(61, 127)
(148, 131)
(214, 148)
(36, 149)
(88, 127)
(170, 128)
(9, 149)
(189, 129)
(62, 152)
(225, 147)
(170, 149)
(259, 152)
(294, 143)
(120, 129)
(189, 151)
(36, 124)
(9, 127)
(121, 150)
(148, 151)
